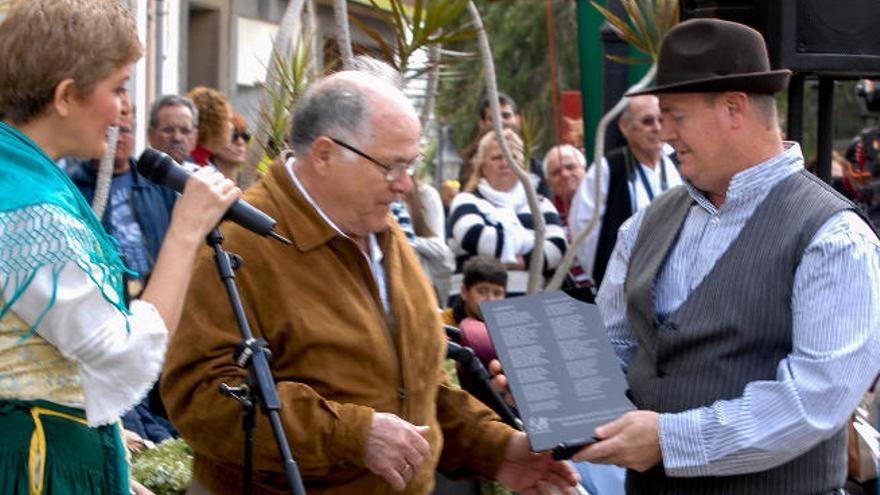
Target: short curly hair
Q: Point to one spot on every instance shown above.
(44, 42)
(214, 115)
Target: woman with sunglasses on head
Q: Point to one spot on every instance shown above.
(230, 158)
(73, 357)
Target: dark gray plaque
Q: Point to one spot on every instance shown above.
(562, 370)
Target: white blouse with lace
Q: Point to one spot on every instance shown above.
(82, 355)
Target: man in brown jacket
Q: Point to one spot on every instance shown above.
(356, 341)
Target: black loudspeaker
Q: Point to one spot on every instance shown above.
(837, 38)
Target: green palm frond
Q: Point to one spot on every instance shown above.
(293, 78)
(647, 23)
(530, 128)
(629, 60)
(427, 22)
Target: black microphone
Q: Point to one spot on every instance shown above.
(163, 170)
(480, 386)
(453, 333)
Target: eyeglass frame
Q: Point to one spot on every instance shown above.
(171, 129)
(392, 173)
(650, 120)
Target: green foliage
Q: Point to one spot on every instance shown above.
(428, 22)
(517, 31)
(530, 126)
(649, 21)
(293, 78)
(166, 469)
(493, 488)
(450, 367)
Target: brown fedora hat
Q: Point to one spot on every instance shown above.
(712, 56)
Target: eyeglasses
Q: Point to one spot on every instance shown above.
(392, 172)
(649, 120)
(168, 130)
(241, 134)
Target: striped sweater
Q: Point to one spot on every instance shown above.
(473, 229)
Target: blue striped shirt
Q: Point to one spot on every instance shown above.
(835, 319)
(401, 213)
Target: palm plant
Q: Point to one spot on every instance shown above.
(290, 25)
(647, 25)
(294, 74)
(650, 20)
(426, 23)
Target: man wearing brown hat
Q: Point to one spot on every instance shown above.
(718, 295)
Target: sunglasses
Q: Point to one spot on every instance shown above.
(241, 134)
(650, 120)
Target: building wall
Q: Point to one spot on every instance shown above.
(195, 42)
(209, 52)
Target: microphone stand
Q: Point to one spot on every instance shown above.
(259, 387)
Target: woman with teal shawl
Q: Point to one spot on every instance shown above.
(73, 357)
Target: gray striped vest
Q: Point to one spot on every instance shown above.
(733, 329)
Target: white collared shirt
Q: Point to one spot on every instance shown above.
(374, 257)
(835, 331)
(584, 202)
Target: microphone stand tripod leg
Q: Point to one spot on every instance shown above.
(253, 354)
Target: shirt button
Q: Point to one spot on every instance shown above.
(715, 220)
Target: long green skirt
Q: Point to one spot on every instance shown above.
(49, 449)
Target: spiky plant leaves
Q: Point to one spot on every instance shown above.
(293, 78)
(428, 22)
(647, 24)
(387, 51)
(629, 60)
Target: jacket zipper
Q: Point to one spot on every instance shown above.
(379, 309)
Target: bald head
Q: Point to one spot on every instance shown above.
(640, 124)
(345, 105)
(355, 136)
(564, 168)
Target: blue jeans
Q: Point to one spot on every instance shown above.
(601, 479)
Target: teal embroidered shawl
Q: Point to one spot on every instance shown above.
(46, 222)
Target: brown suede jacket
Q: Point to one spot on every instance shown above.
(335, 358)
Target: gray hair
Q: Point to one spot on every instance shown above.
(626, 114)
(172, 101)
(330, 107)
(765, 107)
(377, 68)
(763, 104)
(562, 148)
